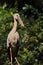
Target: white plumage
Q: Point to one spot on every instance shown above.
(13, 36)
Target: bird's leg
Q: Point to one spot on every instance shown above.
(11, 56)
(17, 61)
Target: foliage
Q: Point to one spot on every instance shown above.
(31, 37)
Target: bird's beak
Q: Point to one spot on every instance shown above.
(20, 22)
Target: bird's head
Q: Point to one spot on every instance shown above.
(16, 16)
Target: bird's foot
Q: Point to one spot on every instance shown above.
(18, 64)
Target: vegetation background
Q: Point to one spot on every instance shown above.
(31, 42)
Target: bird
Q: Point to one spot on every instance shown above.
(13, 39)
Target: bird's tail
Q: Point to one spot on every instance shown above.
(17, 61)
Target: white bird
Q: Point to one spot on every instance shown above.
(13, 38)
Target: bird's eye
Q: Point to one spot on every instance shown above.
(17, 15)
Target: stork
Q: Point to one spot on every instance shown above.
(13, 38)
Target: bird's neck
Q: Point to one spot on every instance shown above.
(15, 25)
